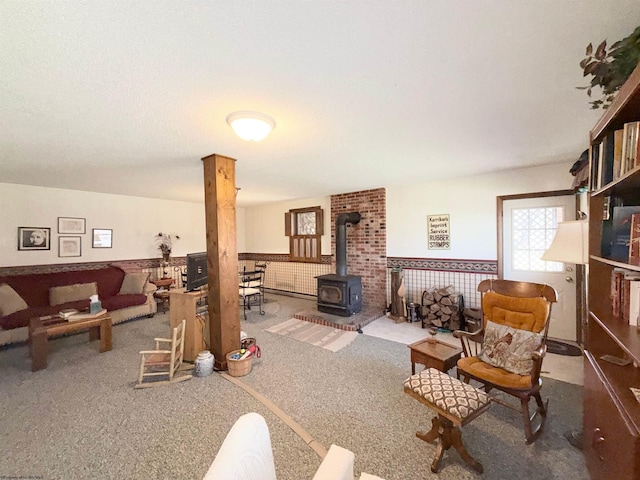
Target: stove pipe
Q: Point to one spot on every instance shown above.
(341, 240)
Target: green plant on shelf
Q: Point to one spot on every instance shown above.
(611, 67)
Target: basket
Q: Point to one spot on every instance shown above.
(238, 368)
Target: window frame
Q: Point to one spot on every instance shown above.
(304, 248)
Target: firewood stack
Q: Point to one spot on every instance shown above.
(442, 307)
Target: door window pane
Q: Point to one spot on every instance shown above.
(533, 230)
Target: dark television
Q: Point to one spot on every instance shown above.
(196, 270)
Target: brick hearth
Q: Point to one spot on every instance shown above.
(352, 323)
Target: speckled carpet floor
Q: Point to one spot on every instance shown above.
(81, 418)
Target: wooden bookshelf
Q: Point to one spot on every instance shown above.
(611, 440)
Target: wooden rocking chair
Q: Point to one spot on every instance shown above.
(160, 362)
(522, 307)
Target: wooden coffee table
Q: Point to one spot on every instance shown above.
(41, 328)
(438, 355)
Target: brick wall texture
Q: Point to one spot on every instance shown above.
(366, 241)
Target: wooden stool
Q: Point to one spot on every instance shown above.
(163, 297)
(456, 404)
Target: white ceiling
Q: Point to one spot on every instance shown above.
(126, 97)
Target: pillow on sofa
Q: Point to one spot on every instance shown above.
(133, 283)
(509, 348)
(10, 301)
(72, 293)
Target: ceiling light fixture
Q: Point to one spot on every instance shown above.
(251, 126)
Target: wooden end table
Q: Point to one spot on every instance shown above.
(41, 328)
(438, 355)
(163, 295)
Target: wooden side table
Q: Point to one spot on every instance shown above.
(163, 295)
(439, 355)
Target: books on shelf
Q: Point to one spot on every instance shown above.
(634, 240)
(617, 275)
(617, 154)
(621, 232)
(618, 138)
(607, 149)
(606, 208)
(625, 295)
(595, 168)
(634, 302)
(631, 132)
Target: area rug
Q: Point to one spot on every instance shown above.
(322, 336)
(562, 348)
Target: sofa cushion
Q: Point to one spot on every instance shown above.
(34, 288)
(72, 293)
(133, 283)
(10, 301)
(122, 301)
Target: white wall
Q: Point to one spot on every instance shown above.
(264, 225)
(470, 201)
(471, 204)
(240, 226)
(134, 220)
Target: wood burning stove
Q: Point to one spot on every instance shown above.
(339, 293)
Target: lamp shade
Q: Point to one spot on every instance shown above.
(571, 243)
(251, 126)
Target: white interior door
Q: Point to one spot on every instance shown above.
(529, 226)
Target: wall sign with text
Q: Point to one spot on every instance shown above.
(438, 232)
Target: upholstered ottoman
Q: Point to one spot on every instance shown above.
(456, 404)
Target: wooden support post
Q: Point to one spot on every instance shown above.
(222, 256)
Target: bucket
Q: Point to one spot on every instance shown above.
(413, 313)
(203, 365)
(238, 368)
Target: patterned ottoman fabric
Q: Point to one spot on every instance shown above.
(450, 394)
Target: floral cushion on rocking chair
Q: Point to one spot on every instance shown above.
(509, 348)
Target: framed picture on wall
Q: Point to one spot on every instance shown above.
(69, 246)
(34, 238)
(102, 237)
(71, 225)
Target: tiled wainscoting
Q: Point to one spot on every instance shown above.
(419, 274)
(423, 273)
(292, 277)
(285, 276)
(281, 275)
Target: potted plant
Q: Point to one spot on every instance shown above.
(610, 68)
(164, 241)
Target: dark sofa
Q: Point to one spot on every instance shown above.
(35, 290)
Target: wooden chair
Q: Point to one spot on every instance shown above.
(161, 362)
(519, 310)
(250, 290)
(261, 267)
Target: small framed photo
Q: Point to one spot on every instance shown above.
(71, 225)
(69, 246)
(102, 237)
(34, 238)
